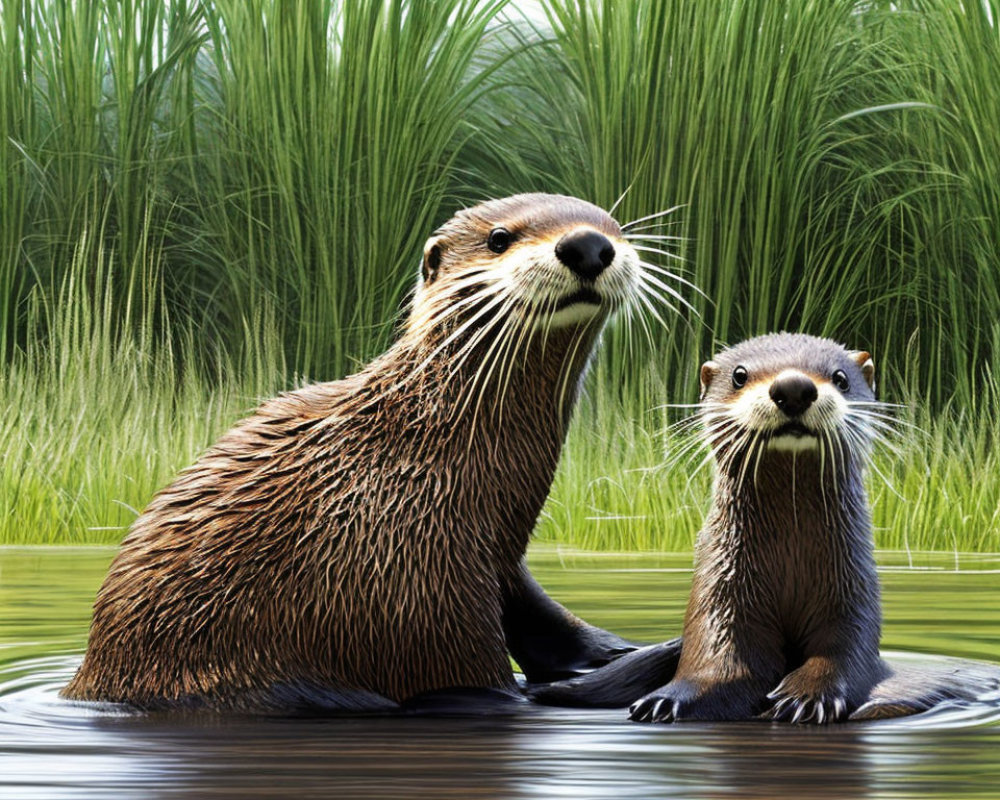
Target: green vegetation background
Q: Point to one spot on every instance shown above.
(203, 203)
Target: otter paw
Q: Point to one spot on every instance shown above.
(802, 706)
(667, 704)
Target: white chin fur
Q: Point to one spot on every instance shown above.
(571, 315)
(793, 444)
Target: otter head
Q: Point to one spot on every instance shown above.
(789, 393)
(535, 261)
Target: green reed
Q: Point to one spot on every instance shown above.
(203, 201)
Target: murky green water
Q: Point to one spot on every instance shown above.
(50, 748)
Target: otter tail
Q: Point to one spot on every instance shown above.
(915, 684)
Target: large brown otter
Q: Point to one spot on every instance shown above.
(357, 543)
(784, 616)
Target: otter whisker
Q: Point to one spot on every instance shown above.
(568, 371)
(674, 276)
(449, 302)
(869, 414)
(740, 451)
(879, 432)
(657, 215)
(501, 318)
(654, 281)
(643, 322)
(732, 438)
(656, 237)
(472, 300)
(752, 454)
(644, 298)
(439, 318)
(481, 379)
(681, 426)
(484, 371)
(875, 404)
(653, 226)
(504, 351)
(888, 446)
(511, 356)
(453, 302)
(630, 315)
(507, 355)
(693, 473)
(457, 371)
(825, 453)
(685, 440)
(645, 248)
(498, 299)
(682, 452)
(840, 453)
(883, 478)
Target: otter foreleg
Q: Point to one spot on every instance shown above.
(546, 640)
(841, 665)
(617, 684)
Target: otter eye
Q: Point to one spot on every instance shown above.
(840, 380)
(499, 240)
(740, 376)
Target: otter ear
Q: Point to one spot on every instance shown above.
(708, 371)
(864, 360)
(432, 259)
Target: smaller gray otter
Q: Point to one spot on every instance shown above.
(784, 617)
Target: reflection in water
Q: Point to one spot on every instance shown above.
(52, 748)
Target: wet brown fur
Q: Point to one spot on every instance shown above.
(352, 536)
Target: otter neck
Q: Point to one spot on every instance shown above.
(795, 496)
(534, 372)
(502, 420)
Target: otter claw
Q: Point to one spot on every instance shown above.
(653, 709)
(660, 714)
(796, 710)
(777, 711)
(839, 708)
(639, 711)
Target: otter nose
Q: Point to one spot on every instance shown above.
(586, 252)
(793, 394)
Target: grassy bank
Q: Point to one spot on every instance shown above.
(203, 202)
(84, 455)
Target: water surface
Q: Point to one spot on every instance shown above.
(52, 748)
